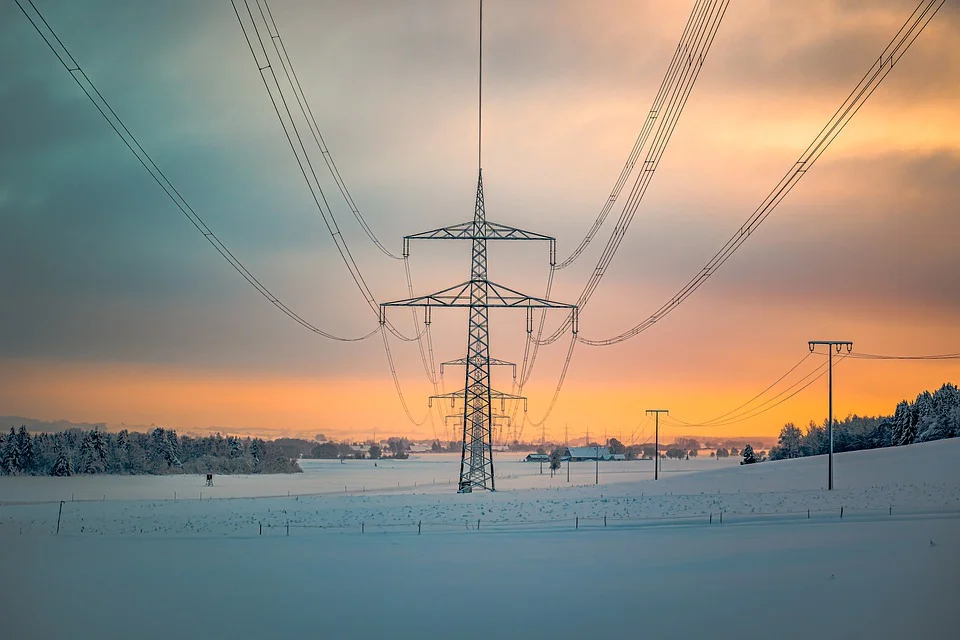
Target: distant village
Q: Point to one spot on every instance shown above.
(612, 451)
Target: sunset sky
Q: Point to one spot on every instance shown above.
(116, 310)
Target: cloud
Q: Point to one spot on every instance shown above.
(107, 270)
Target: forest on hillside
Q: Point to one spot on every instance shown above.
(161, 451)
(932, 416)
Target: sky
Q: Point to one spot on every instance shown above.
(116, 310)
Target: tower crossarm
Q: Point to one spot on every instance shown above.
(494, 362)
(453, 396)
(458, 418)
(497, 296)
(487, 231)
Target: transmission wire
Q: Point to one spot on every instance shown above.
(103, 106)
(902, 41)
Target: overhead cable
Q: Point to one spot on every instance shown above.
(295, 140)
(640, 143)
(291, 74)
(696, 46)
(53, 41)
(908, 33)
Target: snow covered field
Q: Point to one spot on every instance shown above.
(429, 472)
(542, 564)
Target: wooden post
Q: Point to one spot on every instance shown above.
(604, 521)
(841, 512)
(891, 511)
(419, 523)
(58, 517)
(577, 525)
(288, 528)
(721, 517)
(362, 527)
(478, 524)
(711, 518)
(261, 528)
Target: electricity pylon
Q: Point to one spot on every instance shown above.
(479, 295)
(831, 345)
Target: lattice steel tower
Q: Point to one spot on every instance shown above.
(479, 294)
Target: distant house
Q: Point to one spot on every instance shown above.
(537, 457)
(418, 447)
(583, 454)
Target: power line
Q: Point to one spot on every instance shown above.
(905, 37)
(754, 398)
(426, 352)
(697, 45)
(871, 356)
(103, 106)
(295, 141)
(757, 411)
(639, 143)
(291, 74)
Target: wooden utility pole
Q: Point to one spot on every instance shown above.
(656, 441)
(831, 345)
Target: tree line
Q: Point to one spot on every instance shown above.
(161, 451)
(932, 416)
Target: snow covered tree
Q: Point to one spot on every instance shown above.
(172, 449)
(90, 460)
(904, 426)
(61, 466)
(788, 443)
(12, 464)
(749, 457)
(27, 455)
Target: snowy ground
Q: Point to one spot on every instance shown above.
(424, 473)
(542, 564)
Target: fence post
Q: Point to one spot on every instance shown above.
(808, 514)
(288, 528)
(261, 528)
(721, 517)
(711, 518)
(841, 512)
(604, 521)
(58, 517)
(363, 526)
(174, 496)
(419, 523)
(478, 524)
(891, 511)
(577, 525)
